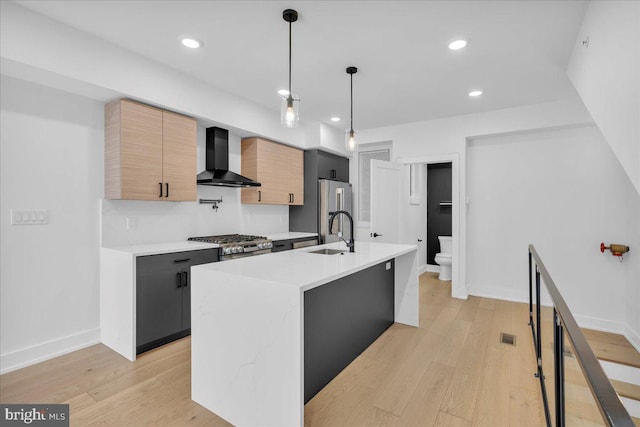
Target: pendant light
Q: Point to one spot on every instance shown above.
(289, 111)
(351, 144)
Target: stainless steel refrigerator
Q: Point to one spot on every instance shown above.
(334, 196)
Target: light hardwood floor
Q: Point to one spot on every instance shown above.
(451, 371)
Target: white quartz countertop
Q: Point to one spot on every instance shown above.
(163, 248)
(289, 235)
(304, 270)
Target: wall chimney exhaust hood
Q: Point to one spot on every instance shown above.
(217, 162)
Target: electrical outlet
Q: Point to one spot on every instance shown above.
(29, 216)
(131, 223)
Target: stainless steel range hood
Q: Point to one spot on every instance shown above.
(217, 162)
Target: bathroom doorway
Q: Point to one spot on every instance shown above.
(439, 208)
(458, 229)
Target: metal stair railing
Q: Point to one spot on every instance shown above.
(564, 325)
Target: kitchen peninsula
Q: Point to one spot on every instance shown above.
(268, 332)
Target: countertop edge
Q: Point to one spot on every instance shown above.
(162, 248)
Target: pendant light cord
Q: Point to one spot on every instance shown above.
(290, 60)
(351, 102)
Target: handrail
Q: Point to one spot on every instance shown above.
(609, 404)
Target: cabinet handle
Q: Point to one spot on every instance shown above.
(293, 197)
(182, 260)
(179, 277)
(333, 173)
(185, 277)
(160, 189)
(259, 195)
(167, 184)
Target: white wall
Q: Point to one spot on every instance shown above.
(172, 221)
(52, 158)
(447, 136)
(564, 191)
(606, 74)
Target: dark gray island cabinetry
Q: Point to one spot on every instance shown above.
(343, 318)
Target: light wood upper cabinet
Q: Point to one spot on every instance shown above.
(279, 168)
(150, 153)
(179, 156)
(296, 176)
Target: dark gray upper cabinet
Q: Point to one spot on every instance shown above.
(317, 165)
(333, 167)
(163, 296)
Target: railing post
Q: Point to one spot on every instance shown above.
(530, 290)
(558, 355)
(538, 340)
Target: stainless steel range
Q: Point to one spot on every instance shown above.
(238, 245)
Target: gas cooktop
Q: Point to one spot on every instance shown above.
(228, 238)
(237, 245)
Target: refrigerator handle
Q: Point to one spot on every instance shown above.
(340, 207)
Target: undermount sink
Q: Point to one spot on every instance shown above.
(327, 251)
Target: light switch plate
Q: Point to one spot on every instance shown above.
(29, 216)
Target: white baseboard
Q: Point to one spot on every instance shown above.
(48, 350)
(600, 324)
(612, 326)
(633, 337)
(493, 292)
(432, 268)
(518, 295)
(422, 269)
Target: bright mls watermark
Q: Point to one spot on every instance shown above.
(37, 415)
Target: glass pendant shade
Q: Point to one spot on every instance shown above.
(289, 111)
(350, 143)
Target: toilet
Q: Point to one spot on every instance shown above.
(444, 257)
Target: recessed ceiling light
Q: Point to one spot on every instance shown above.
(335, 119)
(458, 44)
(283, 92)
(191, 43)
(475, 93)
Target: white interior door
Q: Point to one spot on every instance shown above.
(386, 201)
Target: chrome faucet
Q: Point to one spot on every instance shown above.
(351, 244)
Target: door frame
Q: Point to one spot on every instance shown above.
(458, 271)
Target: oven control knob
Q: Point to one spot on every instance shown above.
(268, 245)
(260, 246)
(234, 250)
(227, 250)
(240, 249)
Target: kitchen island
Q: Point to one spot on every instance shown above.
(250, 324)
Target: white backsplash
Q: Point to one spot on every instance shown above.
(155, 222)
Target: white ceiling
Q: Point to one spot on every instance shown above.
(517, 51)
